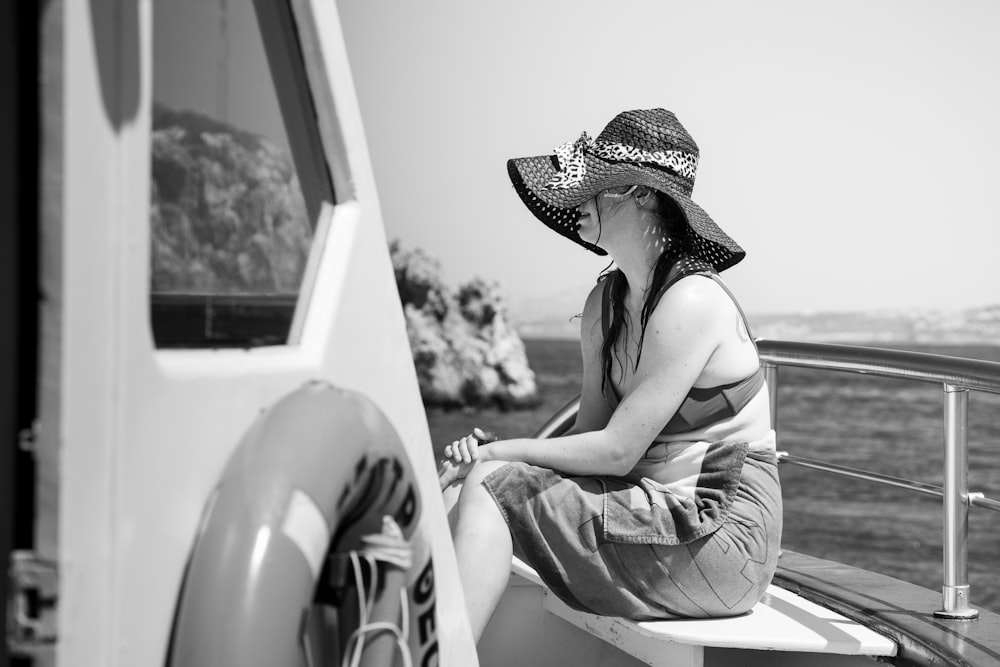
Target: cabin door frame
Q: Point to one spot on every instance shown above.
(19, 194)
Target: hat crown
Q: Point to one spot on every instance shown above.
(649, 130)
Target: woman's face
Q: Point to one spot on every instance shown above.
(597, 213)
(590, 222)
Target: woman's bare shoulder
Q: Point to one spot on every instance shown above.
(590, 326)
(594, 297)
(694, 299)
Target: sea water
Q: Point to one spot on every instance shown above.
(892, 427)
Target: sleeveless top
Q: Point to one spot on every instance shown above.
(702, 406)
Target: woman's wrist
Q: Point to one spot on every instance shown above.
(500, 450)
(485, 452)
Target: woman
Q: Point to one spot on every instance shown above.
(663, 499)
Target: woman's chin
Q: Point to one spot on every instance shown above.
(587, 237)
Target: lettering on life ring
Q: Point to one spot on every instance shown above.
(422, 596)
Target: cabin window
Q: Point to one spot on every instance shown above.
(239, 179)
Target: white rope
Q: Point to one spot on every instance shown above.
(380, 626)
(362, 612)
(404, 605)
(388, 547)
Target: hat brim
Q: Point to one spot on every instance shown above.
(557, 207)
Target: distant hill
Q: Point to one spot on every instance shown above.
(959, 325)
(551, 318)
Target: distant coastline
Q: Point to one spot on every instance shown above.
(932, 326)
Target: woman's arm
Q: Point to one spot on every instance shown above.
(681, 336)
(594, 412)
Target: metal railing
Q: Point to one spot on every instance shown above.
(957, 377)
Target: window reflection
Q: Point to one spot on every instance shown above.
(231, 228)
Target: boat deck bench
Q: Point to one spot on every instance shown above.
(782, 621)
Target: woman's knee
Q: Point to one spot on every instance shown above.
(474, 492)
(474, 480)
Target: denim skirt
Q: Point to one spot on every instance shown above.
(632, 547)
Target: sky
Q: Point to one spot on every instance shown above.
(851, 147)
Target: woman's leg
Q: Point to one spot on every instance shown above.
(451, 494)
(483, 547)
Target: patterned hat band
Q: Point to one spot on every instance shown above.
(573, 167)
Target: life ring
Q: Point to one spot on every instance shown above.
(298, 547)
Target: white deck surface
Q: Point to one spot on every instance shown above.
(782, 621)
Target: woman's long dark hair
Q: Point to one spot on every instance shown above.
(677, 245)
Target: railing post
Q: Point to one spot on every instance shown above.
(771, 378)
(955, 590)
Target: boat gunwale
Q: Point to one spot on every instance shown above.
(902, 611)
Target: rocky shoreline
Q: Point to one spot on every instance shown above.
(465, 349)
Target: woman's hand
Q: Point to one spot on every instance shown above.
(466, 450)
(451, 473)
(461, 456)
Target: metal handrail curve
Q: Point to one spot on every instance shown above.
(957, 376)
(972, 374)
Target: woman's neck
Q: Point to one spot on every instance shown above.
(638, 271)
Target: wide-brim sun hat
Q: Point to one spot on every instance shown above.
(643, 147)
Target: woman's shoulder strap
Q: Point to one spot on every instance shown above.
(715, 276)
(696, 267)
(682, 268)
